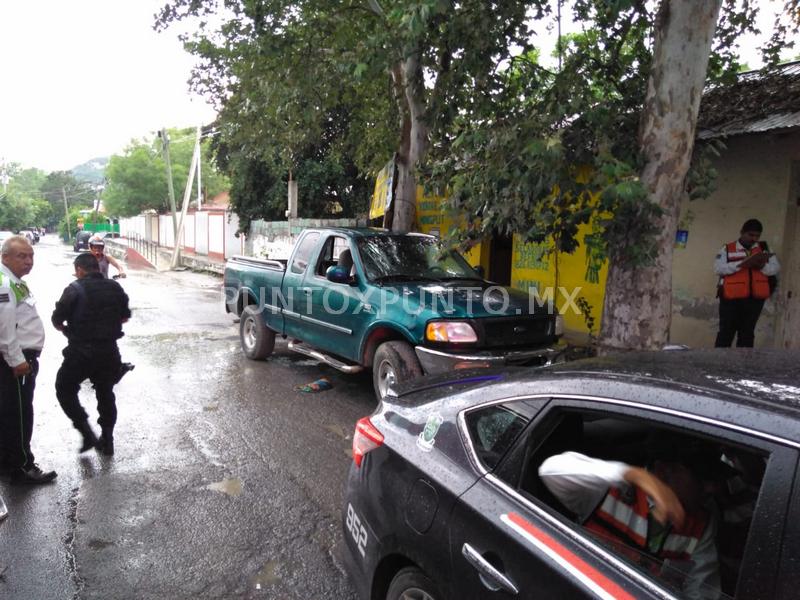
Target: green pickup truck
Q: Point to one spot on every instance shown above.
(396, 303)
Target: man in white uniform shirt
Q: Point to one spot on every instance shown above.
(21, 341)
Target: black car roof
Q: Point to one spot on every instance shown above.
(754, 376)
(764, 379)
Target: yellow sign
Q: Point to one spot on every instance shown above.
(382, 194)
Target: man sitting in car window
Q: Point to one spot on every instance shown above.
(659, 517)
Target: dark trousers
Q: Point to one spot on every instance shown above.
(100, 364)
(16, 414)
(738, 318)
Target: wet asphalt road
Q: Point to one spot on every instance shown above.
(226, 483)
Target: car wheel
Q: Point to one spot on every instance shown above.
(412, 584)
(394, 362)
(258, 340)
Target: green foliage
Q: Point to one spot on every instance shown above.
(510, 140)
(21, 204)
(79, 194)
(16, 213)
(531, 159)
(294, 77)
(137, 179)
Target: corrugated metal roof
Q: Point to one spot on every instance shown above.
(759, 101)
(784, 121)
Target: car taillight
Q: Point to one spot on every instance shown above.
(365, 438)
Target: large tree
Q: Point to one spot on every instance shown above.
(394, 69)
(608, 136)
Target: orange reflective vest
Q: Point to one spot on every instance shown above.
(744, 283)
(622, 518)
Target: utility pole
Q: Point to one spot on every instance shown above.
(165, 146)
(66, 214)
(187, 193)
(197, 149)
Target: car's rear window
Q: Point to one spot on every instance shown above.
(493, 430)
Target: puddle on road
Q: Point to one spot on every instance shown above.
(266, 576)
(232, 487)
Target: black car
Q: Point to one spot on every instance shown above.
(82, 240)
(461, 489)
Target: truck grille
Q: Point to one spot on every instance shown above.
(516, 331)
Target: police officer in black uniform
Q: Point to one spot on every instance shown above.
(91, 312)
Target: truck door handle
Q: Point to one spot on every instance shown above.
(489, 575)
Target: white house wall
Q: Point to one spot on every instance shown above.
(216, 234)
(753, 182)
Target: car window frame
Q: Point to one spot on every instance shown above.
(789, 571)
(535, 404)
(320, 258)
(314, 238)
(773, 500)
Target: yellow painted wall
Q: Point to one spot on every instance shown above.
(534, 265)
(580, 274)
(433, 218)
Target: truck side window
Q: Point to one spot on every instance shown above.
(303, 253)
(329, 255)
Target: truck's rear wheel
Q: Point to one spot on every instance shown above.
(394, 362)
(258, 340)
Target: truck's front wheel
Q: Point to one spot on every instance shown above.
(258, 341)
(394, 362)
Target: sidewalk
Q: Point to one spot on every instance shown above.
(119, 248)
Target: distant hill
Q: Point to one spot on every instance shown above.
(92, 170)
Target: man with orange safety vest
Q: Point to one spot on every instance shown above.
(655, 517)
(744, 267)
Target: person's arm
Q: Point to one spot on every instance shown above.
(772, 267)
(579, 481)
(721, 265)
(64, 307)
(9, 345)
(114, 263)
(125, 311)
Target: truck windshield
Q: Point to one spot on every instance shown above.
(410, 258)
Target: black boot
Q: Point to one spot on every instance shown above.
(105, 445)
(89, 438)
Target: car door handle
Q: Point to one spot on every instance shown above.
(490, 576)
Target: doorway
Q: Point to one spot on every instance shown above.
(501, 254)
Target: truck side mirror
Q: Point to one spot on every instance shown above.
(479, 270)
(337, 274)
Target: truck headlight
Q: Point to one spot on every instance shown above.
(450, 331)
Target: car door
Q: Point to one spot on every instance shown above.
(334, 314)
(509, 536)
(293, 299)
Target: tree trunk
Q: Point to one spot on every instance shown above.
(638, 300)
(407, 76)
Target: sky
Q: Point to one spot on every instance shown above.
(81, 78)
